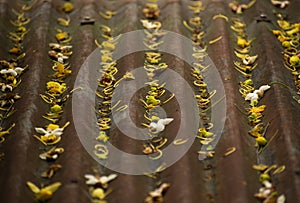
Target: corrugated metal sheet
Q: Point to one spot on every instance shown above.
(218, 179)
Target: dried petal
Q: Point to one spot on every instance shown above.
(260, 167)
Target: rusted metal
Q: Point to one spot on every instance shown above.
(218, 179)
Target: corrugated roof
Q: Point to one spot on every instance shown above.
(216, 179)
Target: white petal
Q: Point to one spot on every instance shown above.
(249, 96)
(89, 176)
(264, 87)
(9, 87)
(254, 98)
(153, 125)
(58, 131)
(92, 180)
(60, 60)
(267, 184)
(281, 199)
(257, 92)
(3, 71)
(267, 192)
(19, 70)
(106, 179)
(148, 25)
(41, 130)
(13, 72)
(144, 22)
(165, 121)
(54, 45)
(160, 127)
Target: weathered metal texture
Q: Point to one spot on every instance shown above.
(220, 179)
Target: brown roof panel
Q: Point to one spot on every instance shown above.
(216, 179)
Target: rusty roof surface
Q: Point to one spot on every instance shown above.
(29, 27)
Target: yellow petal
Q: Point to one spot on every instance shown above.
(52, 126)
(261, 141)
(263, 177)
(56, 108)
(98, 193)
(294, 60)
(53, 187)
(43, 195)
(33, 187)
(284, 24)
(260, 167)
(68, 7)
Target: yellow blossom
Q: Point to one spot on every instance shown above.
(68, 7)
(204, 133)
(102, 136)
(56, 88)
(294, 61)
(152, 100)
(56, 108)
(261, 141)
(45, 193)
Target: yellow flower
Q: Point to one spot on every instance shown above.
(285, 25)
(56, 108)
(52, 126)
(49, 138)
(103, 181)
(45, 193)
(204, 133)
(152, 100)
(277, 32)
(51, 135)
(254, 118)
(263, 177)
(261, 141)
(154, 118)
(294, 61)
(241, 42)
(108, 46)
(128, 75)
(248, 82)
(56, 88)
(98, 193)
(61, 71)
(256, 131)
(102, 136)
(68, 7)
(258, 109)
(61, 36)
(286, 44)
